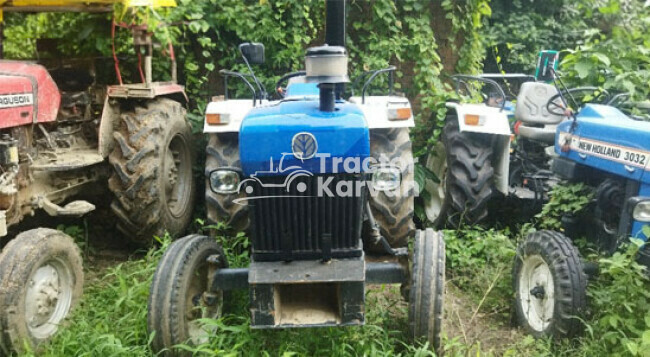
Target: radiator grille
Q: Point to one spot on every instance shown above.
(297, 222)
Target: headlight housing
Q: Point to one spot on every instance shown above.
(386, 178)
(641, 211)
(225, 181)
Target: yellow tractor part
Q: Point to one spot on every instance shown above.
(76, 5)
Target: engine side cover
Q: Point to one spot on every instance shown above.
(608, 140)
(295, 135)
(27, 94)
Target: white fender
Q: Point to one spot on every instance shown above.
(380, 111)
(491, 120)
(232, 110)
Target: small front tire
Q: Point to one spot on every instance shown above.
(41, 280)
(180, 295)
(550, 285)
(427, 287)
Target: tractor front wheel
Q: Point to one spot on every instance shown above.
(550, 285)
(180, 295)
(41, 280)
(427, 287)
(152, 180)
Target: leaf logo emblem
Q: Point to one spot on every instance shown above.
(304, 146)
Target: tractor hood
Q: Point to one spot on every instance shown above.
(608, 140)
(27, 94)
(295, 135)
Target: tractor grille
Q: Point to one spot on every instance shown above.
(297, 224)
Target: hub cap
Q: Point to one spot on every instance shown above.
(201, 304)
(177, 175)
(537, 292)
(48, 298)
(436, 163)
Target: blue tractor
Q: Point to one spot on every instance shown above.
(323, 186)
(608, 150)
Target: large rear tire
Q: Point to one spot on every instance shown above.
(152, 180)
(464, 169)
(550, 285)
(179, 295)
(223, 151)
(427, 287)
(41, 280)
(393, 210)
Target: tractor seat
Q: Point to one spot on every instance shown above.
(531, 104)
(536, 122)
(545, 134)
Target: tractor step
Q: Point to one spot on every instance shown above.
(64, 160)
(72, 209)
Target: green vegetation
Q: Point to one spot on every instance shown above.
(605, 43)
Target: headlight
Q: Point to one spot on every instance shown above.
(224, 181)
(641, 211)
(386, 178)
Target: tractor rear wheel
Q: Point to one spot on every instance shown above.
(41, 280)
(179, 295)
(152, 179)
(223, 151)
(464, 170)
(427, 287)
(393, 210)
(550, 285)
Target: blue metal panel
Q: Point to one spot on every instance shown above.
(267, 133)
(637, 227)
(606, 137)
(302, 90)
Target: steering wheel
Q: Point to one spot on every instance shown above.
(556, 105)
(279, 90)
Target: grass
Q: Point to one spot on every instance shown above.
(111, 319)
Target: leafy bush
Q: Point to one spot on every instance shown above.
(620, 320)
(479, 262)
(565, 199)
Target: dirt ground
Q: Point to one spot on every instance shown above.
(488, 332)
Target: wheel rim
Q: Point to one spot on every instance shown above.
(177, 175)
(201, 304)
(48, 297)
(436, 163)
(537, 292)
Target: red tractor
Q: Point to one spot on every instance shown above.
(63, 136)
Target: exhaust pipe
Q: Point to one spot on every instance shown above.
(335, 23)
(328, 65)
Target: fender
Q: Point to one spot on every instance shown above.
(380, 111)
(232, 110)
(491, 120)
(494, 124)
(109, 120)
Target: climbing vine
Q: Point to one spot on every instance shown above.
(405, 33)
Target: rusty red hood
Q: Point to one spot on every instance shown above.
(27, 94)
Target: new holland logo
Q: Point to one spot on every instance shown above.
(304, 146)
(16, 100)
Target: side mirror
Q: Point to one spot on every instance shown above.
(252, 52)
(547, 65)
